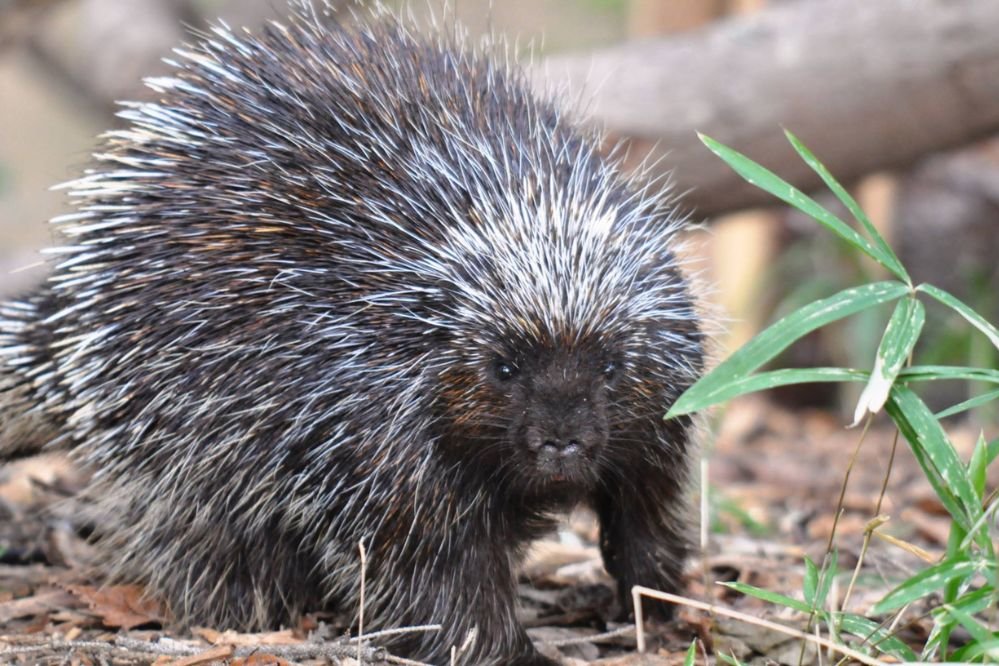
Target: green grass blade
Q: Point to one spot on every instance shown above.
(891, 260)
(876, 636)
(926, 581)
(899, 338)
(691, 656)
(768, 596)
(931, 447)
(770, 182)
(971, 403)
(775, 339)
(975, 319)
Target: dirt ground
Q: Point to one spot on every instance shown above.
(774, 478)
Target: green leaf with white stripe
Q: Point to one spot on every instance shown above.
(925, 373)
(875, 635)
(897, 343)
(970, 403)
(767, 380)
(975, 319)
(926, 581)
(936, 455)
(714, 386)
(983, 640)
(972, 602)
(891, 260)
(770, 182)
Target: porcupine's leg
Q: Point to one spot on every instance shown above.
(468, 587)
(642, 543)
(643, 530)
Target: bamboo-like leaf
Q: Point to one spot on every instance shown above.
(827, 580)
(935, 453)
(923, 373)
(978, 464)
(972, 602)
(897, 343)
(992, 451)
(811, 582)
(975, 319)
(892, 262)
(926, 581)
(978, 632)
(770, 182)
(875, 635)
(713, 387)
(970, 403)
(771, 597)
(970, 653)
(768, 380)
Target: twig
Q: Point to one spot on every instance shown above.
(638, 591)
(395, 632)
(623, 631)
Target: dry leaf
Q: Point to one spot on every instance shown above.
(122, 606)
(260, 660)
(38, 604)
(206, 657)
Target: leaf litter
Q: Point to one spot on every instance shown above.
(774, 477)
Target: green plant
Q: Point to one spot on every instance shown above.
(966, 578)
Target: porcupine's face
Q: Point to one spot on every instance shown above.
(568, 344)
(555, 406)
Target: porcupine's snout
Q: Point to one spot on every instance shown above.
(563, 442)
(564, 427)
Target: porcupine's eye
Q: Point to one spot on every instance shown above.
(504, 370)
(610, 371)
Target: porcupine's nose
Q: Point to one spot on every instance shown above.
(560, 448)
(559, 440)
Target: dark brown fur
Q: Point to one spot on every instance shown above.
(351, 285)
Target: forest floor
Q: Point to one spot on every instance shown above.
(775, 479)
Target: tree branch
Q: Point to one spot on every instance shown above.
(867, 85)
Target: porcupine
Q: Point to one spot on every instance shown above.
(344, 284)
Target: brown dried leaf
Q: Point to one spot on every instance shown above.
(38, 604)
(285, 637)
(124, 606)
(260, 660)
(207, 657)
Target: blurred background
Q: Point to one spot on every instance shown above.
(736, 69)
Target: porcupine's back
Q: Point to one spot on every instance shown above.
(280, 274)
(291, 181)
